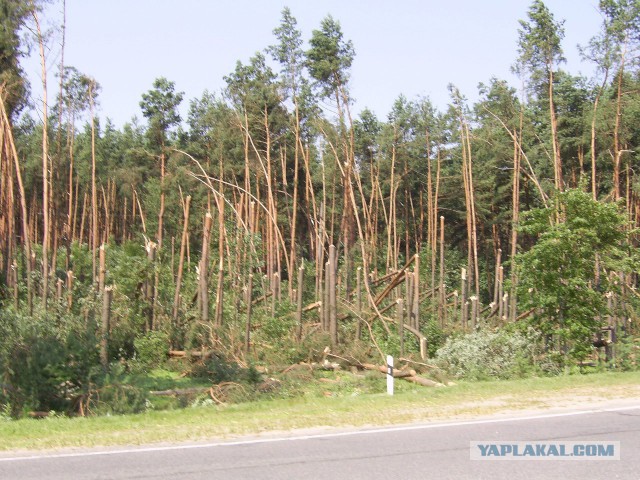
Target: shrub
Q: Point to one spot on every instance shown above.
(486, 354)
(46, 365)
(627, 352)
(152, 349)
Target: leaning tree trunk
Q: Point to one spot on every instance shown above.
(9, 149)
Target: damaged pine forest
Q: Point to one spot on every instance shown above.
(278, 234)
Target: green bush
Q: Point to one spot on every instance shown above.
(46, 363)
(118, 399)
(627, 351)
(485, 354)
(152, 349)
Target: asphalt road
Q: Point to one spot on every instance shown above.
(424, 451)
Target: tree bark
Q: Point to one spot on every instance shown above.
(106, 320)
(45, 164)
(183, 246)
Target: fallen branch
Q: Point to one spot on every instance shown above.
(352, 361)
(408, 360)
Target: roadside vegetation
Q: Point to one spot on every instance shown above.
(347, 406)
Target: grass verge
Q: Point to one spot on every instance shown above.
(410, 404)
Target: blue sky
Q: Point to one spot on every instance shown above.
(410, 47)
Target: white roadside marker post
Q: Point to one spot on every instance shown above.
(389, 375)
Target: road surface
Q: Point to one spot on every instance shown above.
(421, 451)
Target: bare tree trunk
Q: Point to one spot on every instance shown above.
(359, 303)
(474, 228)
(400, 320)
(151, 286)
(515, 218)
(467, 178)
(594, 186)
(106, 320)
(71, 138)
(183, 246)
(69, 290)
(415, 307)
(333, 307)
(45, 164)
(299, 293)
(557, 161)
(102, 269)
(10, 149)
(442, 301)
(326, 307)
(464, 307)
(204, 266)
(392, 258)
(249, 303)
(617, 152)
(221, 244)
(94, 193)
(496, 288)
(161, 210)
(294, 212)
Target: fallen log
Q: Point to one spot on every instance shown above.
(311, 306)
(38, 414)
(263, 298)
(525, 314)
(298, 367)
(409, 375)
(425, 382)
(193, 353)
(179, 391)
(397, 373)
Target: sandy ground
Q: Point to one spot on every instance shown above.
(567, 400)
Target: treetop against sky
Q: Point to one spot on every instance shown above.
(415, 48)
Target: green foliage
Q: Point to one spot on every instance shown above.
(13, 15)
(160, 106)
(118, 399)
(621, 22)
(485, 354)
(574, 237)
(435, 336)
(152, 349)
(219, 369)
(46, 363)
(276, 328)
(539, 41)
(330, 56)
(627, 353)
(288, 52)
(246, 138)
(5, 412)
